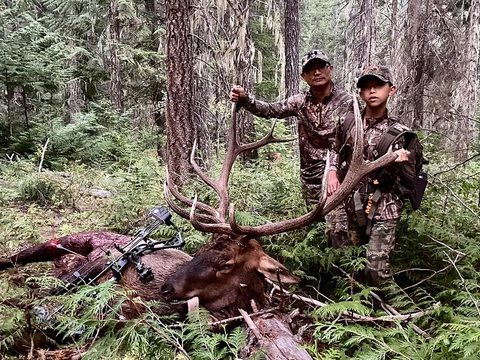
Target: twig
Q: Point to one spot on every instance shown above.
(392, 311)
(251, 325)
(448, 247)
(458, 165)
(463, 281)
(428, 278)
(43, 155)
(232, 319)
(357, 317)
(456, 197)
(412, 269)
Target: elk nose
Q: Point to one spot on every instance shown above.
(167, 290)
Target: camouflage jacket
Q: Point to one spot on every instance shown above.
(317, 123)
(390, 204)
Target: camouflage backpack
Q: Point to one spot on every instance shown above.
(413, 180)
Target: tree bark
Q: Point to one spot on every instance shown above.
(114, 35)
(159, 87)
(180, 126)
(467, 93)
(246, 127)
(292, 36)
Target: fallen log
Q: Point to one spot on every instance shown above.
(273, 337)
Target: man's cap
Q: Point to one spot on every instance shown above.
(312, 55)
(380, 72)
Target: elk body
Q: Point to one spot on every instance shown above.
(91, 248)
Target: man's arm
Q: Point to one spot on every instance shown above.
(279, 109)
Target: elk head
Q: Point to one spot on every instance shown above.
(230, 270)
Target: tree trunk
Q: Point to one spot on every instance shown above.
(114, 35)
(360, 39)
(25, 107)
(292, 36)
(467, 93)
(367, 26)
(246, 124)
(179, 88)
(159, 87)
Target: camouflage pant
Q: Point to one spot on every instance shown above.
(336, 221)
(380, 244)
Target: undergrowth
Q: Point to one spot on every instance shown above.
(435, 262)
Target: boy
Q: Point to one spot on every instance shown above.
(375, 206)
(318, 111)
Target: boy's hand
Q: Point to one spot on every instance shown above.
(332, 182)
(402, 155)
(237, 94)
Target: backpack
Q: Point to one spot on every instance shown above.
(413, 180)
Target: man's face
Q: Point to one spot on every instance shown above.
(317, 73)
(375, 92)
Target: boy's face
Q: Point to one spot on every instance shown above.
(375, 92)
(317, 73)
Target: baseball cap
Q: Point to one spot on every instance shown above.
(380, 72)
(312, 55)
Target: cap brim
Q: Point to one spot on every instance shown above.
(326, 61)
(364, 77)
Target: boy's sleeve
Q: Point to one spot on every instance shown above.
(346, 116)
(278, 110)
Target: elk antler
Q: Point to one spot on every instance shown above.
(357, 170)
(215, 222)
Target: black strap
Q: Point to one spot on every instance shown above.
(359, 209)
(387, 139)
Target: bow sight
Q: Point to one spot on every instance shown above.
(141, 245)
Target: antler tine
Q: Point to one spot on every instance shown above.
(357, 170)
(208, 180)
(182, 212)
(186, 201)
(267, 139)
(222, 228)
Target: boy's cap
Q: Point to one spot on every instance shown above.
(380, 72)
(312, 55)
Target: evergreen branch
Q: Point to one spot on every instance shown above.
(162, 334)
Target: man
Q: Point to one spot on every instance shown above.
(318, 111)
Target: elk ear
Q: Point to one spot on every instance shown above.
(273, 270)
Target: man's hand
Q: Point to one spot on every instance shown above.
(402, 155)
(332, 182)
(237, 94)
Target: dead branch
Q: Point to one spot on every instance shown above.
(458, 165)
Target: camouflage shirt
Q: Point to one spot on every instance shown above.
(389, 205)
(317, 123)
